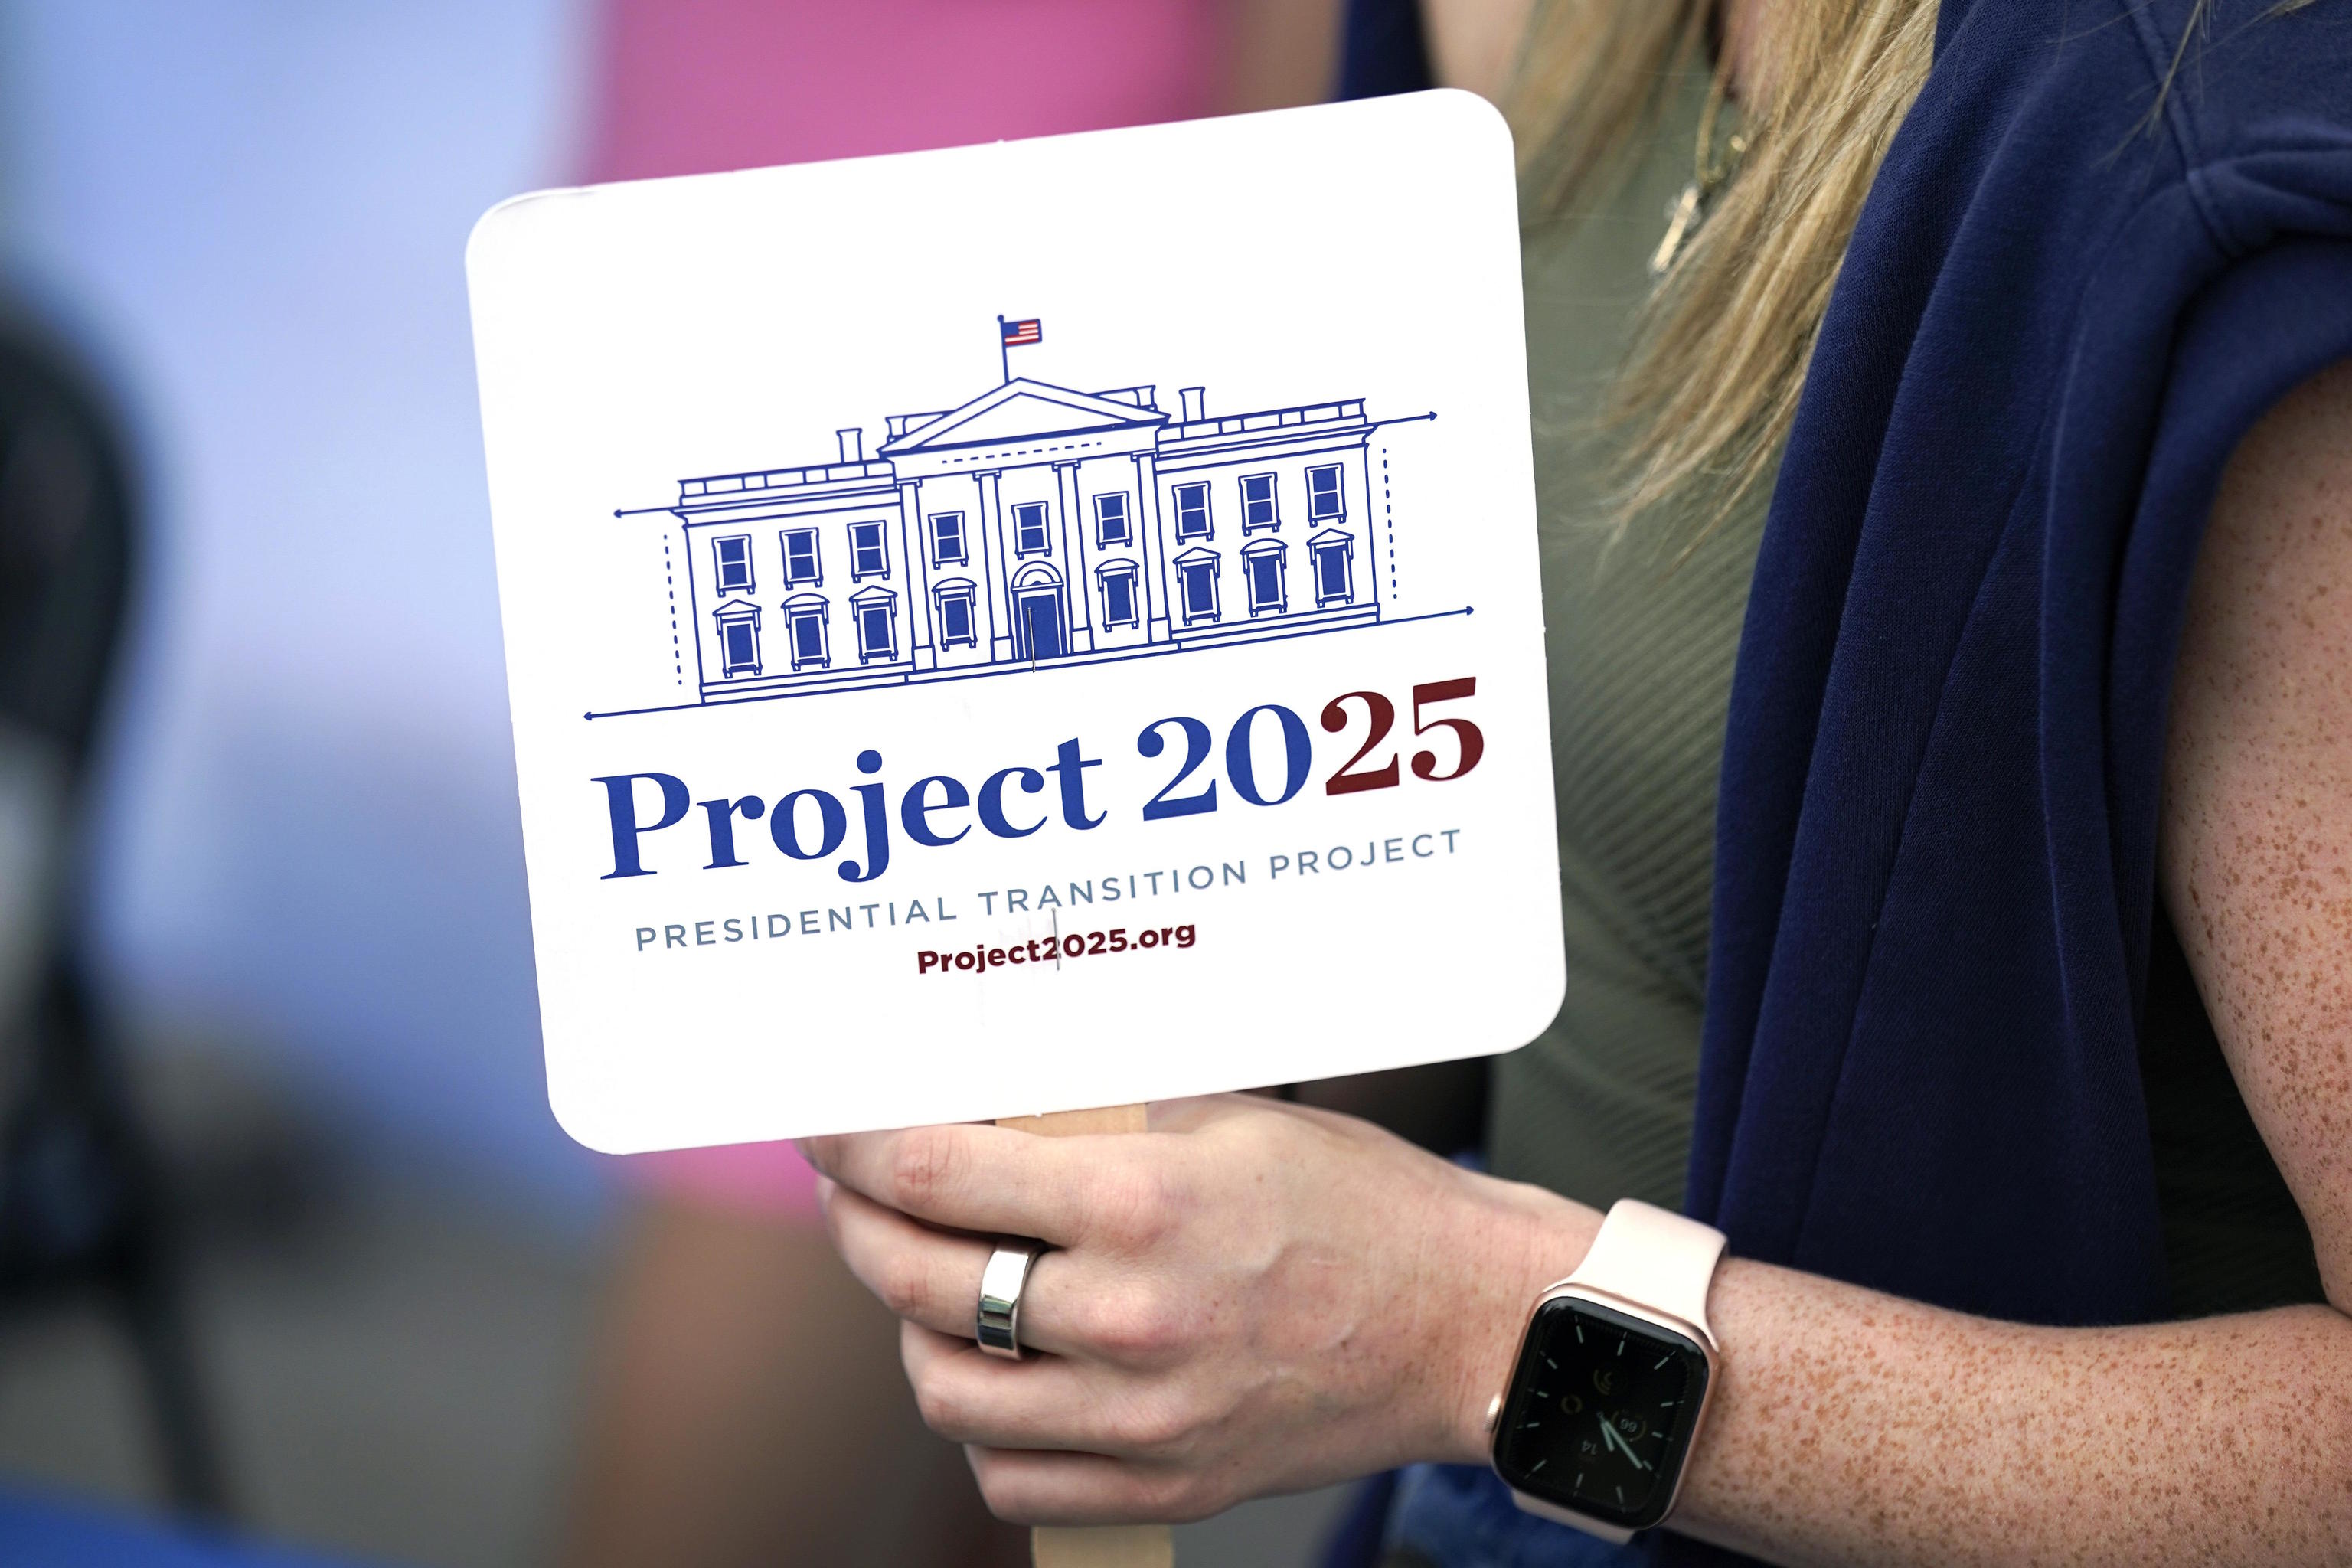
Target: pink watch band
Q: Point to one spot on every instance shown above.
(1653, 1257)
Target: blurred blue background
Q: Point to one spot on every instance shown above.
(252, 217)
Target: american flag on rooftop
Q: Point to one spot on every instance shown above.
(1021, 334)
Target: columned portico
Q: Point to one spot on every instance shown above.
(1155, 564)
(1074, 552)
(916, 553)
(992, 527)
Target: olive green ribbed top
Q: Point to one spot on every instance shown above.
(1640, 653)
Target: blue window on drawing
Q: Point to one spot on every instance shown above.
(1334, 577)
(1119, 594)
(1193, 512)
(801, 568)
(1262, 571)
(1257, 503)
(804, 625)
(1198, 578)
(1029, 529)
(876, 612)
(957, 623)
(734, 555)
(867, 555)
(738, 644)
(1111, 525)
(947, 540)
(1325, 500)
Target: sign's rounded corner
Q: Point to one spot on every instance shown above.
(1547, 1001)
(500, 216)
(583, 1127)
(914, 604)
(1477, 113)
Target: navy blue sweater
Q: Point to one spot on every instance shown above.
(1936, 867)
(1936, 873)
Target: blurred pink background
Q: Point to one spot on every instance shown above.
(725, 84)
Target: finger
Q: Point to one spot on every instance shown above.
(1025, 1485)
(995, 1180)
(933, 1277)
(1045, 1402)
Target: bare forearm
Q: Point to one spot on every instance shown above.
(1852, 1427)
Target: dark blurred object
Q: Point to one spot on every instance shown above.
(82, 1207)
(1383, 51)
(1441, 1106)
(65, 547)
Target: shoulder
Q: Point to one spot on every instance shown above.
(2258, 792)
(2096, 168)
(2129, 94)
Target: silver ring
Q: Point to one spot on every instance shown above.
(1000, 1283)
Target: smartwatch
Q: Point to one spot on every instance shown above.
(1613, 1376)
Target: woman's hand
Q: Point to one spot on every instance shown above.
(1250, 1298)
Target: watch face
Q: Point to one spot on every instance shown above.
(1600, 1412)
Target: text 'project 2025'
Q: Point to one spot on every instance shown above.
(812, 824)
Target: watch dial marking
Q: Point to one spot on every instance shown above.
(1579, 1400)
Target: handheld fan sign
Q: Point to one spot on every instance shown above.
(1023, 627)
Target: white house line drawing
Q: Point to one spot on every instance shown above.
(1032, 526)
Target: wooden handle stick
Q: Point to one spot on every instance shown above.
(1119, 1545)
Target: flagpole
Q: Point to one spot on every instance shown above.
(1003, 354)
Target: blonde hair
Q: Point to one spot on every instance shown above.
(1709, 387)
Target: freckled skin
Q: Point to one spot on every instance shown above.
(1855, 1428)
(1256, 1297)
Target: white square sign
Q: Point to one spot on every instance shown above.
(1023, 627)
